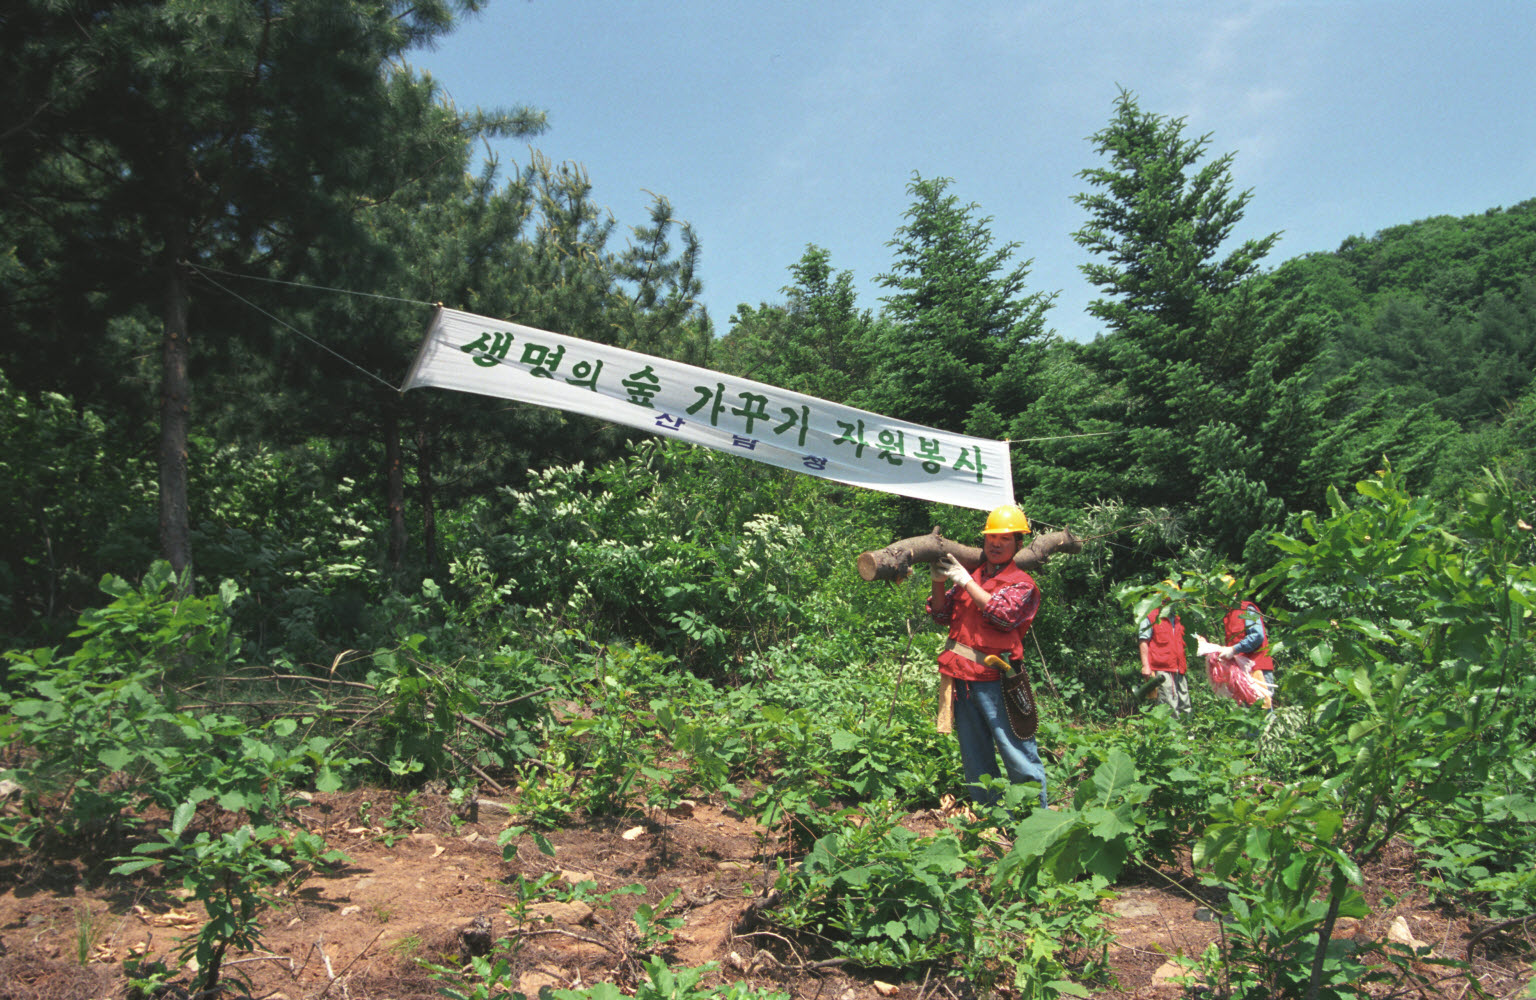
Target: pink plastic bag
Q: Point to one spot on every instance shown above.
(1233, 678)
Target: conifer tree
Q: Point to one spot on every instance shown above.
(159, 138)
(815, 343)
(1159, 221)
(1210, 369)
(963, 333)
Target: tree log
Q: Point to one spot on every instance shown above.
(896, 560)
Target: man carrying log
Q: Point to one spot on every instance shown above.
(988, 612)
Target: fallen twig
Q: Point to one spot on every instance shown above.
(347, 967)
(579, 937)
(330, 974)
(500, 790)
(263, 958)
(1490, 929)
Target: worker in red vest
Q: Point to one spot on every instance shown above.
(1246, 636)
(987, 611)
(1161, 638)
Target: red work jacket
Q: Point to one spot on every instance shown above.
(969, 627)
(1236, 628)
(1165, 649)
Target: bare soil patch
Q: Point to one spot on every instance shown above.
(360, 932)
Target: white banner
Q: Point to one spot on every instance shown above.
(493, 357)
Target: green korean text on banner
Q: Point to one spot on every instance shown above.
(493, 357)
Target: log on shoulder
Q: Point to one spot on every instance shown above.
(896, 560)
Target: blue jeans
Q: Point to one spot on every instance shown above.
(981, 722)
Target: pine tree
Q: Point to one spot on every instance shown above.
(962, 336)
(162, 138)
(815, 343)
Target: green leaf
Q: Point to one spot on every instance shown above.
(856, 876)
(1114, 776)
(944, 854)
(134, 865)
(1221, 848)
(182, 817)
(924, 922)
(1041, 829)
(115, 758)
(1106, 824)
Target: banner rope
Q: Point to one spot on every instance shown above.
(202, 270)
(201, 273)
(205, 272)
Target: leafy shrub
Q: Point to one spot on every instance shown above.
(111, 709)
(77, 502)
(884, 895)
(231, 874)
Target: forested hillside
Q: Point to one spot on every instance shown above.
(240, 564)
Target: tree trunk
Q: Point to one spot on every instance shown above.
(428, 497)
(394, 485)
(175, 403)
(895, 561)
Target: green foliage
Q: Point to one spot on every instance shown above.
(305, 544)
(230, 874)
(1197, 339)
(1176, 787)
(1271, 859)
(818, 343)
(1411, 697)
(959, 350)
(69, 504)
(1096, 836)
(663, 982)
(886, 896)
(111, 709)
(106, 735)
(883, 896)
(694, 554)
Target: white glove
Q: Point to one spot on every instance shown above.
(952, 570)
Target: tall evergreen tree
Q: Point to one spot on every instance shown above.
(963, 334)
(229, 134)
(1210, 367)
(1159, 226)
(816, 343)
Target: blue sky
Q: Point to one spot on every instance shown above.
(771, 126)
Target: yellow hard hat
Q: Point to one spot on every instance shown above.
(1006, 520)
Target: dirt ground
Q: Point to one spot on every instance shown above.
(442, 892)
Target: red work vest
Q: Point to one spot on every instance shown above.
(1165, 650)
(1236, 629)
(969, 627)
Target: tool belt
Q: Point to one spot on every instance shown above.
(1019, 699)
(951, 646)
(1018, 695)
